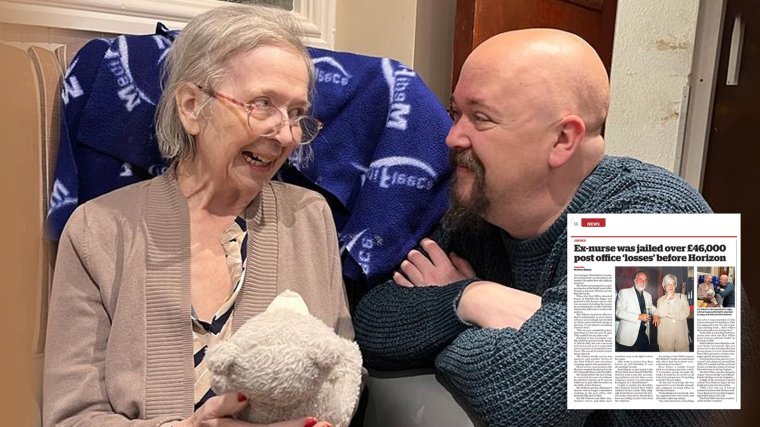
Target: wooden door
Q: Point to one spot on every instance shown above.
(477, 20)
(732, 172)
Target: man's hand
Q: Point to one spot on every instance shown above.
(491, 305)
(437, 270)
(656, 320)
(644, 317)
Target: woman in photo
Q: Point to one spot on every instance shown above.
(670, 317)
(706, 293)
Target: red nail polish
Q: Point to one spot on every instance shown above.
(310, 422)
(242, 397)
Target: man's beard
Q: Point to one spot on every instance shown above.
(467, 214)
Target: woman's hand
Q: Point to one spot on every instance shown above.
(301, 422)
(436, 269)
(218, 410)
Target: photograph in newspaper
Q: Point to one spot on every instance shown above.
(715, 287)
(716, 322)
(654, 309)
(653, 315)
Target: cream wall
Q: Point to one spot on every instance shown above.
(651, 64)
(418, 33)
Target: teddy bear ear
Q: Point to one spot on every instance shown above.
(288, 300)
(324, 353)
(220, 359)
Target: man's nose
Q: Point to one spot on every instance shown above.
(457, 137)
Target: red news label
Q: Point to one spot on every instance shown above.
(593, 222)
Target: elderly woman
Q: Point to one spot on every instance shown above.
(706, 293)
(150, 275)
(670, 317)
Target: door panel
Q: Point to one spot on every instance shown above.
(477, 20)
(732, 172)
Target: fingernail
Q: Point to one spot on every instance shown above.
(242, 397)
(310, 422)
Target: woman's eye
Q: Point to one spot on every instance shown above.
(261, 103)
(481, 118)
(454, 114)
(296, 112)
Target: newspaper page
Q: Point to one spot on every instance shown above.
(653, 311)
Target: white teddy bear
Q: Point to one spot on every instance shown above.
(290, 365)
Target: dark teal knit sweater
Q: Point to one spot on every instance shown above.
(507, 376)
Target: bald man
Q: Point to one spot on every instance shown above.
(485, 300)
(726, 291)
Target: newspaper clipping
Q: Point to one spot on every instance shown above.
(653, 311)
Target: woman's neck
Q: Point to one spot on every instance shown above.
(207, 193)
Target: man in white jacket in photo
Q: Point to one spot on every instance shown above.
(633, 309)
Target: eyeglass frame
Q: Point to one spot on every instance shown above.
(249, 107)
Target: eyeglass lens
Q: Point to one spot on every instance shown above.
(303, 129)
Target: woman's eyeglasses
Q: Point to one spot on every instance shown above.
(262, 110)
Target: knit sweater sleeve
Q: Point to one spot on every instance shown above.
(515, 376)
(636, 187)
(402, 328)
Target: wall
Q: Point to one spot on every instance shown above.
(434, 45)
(651, 64)
(418, 33)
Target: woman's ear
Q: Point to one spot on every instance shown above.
(189, 99)
(571, 133)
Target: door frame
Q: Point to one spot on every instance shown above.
(702, 84)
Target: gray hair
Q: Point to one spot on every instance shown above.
(201, 55)
(669, 278)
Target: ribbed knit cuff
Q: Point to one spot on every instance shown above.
(462, 285)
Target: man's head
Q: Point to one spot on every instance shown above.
(640, 280)
(723, 280)
(528, 111)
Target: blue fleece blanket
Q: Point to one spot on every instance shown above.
(381, 154)
(380, 160)
(107, 138)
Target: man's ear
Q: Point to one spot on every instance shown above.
(189, 99)
(572, 131)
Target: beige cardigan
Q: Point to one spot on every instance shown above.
(119, 338)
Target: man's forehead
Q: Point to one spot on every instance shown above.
(469, 100)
